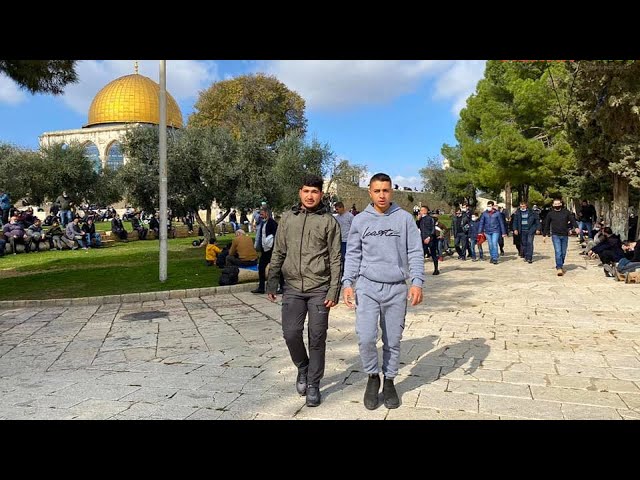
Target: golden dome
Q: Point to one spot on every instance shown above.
(132, 98)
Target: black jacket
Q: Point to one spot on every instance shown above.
(427, 226)
(557, 222)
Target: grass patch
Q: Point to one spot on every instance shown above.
(122, 268)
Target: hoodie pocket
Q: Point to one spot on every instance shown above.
(383, 272)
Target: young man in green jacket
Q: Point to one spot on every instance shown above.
(307, 252)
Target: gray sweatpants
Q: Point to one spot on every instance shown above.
(388, 303)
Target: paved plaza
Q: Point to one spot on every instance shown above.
(507, 341)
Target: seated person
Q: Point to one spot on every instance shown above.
(631, 262)
(73, 232)
(242, 252)
(14, 233)
(57, 238)
(138, 227)
(610, 248)
(3, 242)
(89, 230)
(118, 228)
(154, 225)
(211, 252)
(35, 234)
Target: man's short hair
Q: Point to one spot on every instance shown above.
(239, 232)
(339, 205)
(312, 181)
(380, 177)
(491, 202)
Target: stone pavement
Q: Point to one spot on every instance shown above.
(507, 341)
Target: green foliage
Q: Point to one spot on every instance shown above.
(294, 159)
(511, 130)
(67, 169)
(604, 120)
(41, 76)
(251, 103)
(17, 174)
(43, 175)
(343, 172)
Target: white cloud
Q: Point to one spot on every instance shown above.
(340, 84)
(401, 181)
(10, 93)
(185, 78)
(458, 82)
(336, 84)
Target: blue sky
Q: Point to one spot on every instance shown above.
(390, 115)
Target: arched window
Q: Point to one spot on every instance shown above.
(115, 159)
(92, 153)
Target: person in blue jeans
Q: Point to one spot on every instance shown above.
(558, 223)
(587, 219)
(493, 226)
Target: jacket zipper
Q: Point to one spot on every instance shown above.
(300, 256)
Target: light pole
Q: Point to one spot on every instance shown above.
(163, 170)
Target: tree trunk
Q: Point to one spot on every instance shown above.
(208, 233)
(637, 235)
(620, 213)
(525, 194)
(507, 199)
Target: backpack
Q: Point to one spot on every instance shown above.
(229, 275)
(221, 259)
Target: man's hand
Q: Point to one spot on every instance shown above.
(504, 235)
(577, 231)
(271, 296)
(329, 303)
(415, 295)
(347, 295)
(427, 240)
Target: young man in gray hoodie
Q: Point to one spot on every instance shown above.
(384, 250)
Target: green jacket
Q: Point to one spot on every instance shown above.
(307, 252)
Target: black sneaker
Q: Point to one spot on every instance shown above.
(301, 382)
(437, 272)
(371, 392)
(389, 393)
(257, 290)
(313, 396)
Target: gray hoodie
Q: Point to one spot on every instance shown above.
(384, 247)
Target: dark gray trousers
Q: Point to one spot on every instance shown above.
(295, 307)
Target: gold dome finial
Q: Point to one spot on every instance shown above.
(135, 67)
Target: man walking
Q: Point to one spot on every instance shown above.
(427, 226)
(265, 238)
(493, 226)
(383, 252)
(307, 252)
(587, 219)
(556, 224)
(525, 224)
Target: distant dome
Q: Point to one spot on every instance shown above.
(129, 99)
